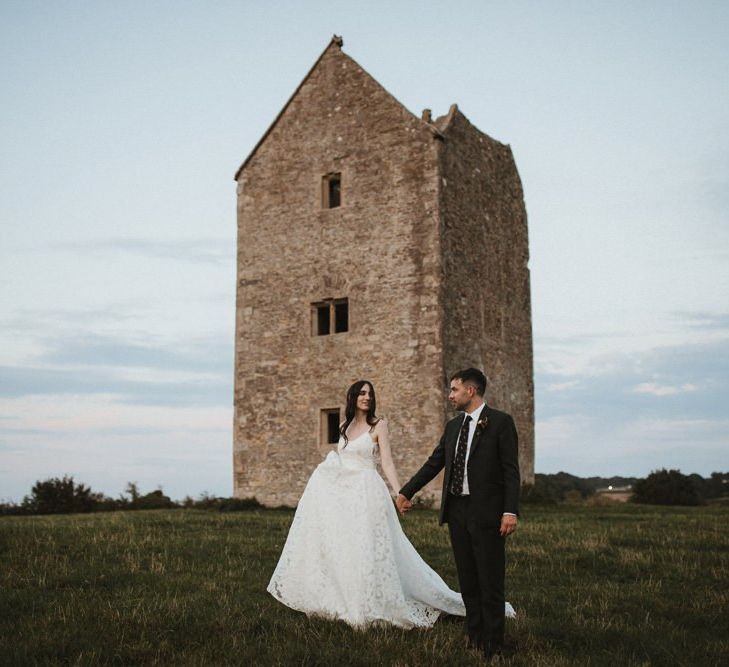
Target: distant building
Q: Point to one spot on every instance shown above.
(372, 244)
(617, 493)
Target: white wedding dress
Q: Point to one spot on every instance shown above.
(346, 556)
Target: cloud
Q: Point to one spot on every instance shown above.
(663, 390)
(105, 443)
(28, 381)
(692, 378)
(635, 411)
(681, 429)
(200, 250)
(187, 372)
(97, 430)
(587, 445)
(32, 320)
(562, 386)
(210, 355)
(183, 460)
(705, 320)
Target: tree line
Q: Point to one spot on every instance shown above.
(65, 496)
(661, 487)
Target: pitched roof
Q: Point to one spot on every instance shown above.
(335, 42)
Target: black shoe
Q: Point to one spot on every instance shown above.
(475, 643)
(498, 653)
(492, 652)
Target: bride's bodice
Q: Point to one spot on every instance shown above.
(359, 452)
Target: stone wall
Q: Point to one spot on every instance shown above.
(380, 249)
(486, 294)
(428, 210)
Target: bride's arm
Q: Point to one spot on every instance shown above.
(388, 467)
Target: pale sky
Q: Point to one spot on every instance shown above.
(123, 124)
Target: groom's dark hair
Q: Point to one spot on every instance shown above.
(474, 376)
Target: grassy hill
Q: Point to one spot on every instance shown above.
(627, 585)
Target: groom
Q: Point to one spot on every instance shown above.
(480, 502)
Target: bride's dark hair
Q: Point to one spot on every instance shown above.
(351, 409)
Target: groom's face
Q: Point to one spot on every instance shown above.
(461, 394)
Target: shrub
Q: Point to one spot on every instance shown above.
(155, 500)
(539, 493)
(61, 496)
(573, 497)
(714, 487)
(208, 502)
(666, 487)
(11, 508)
(238, 504)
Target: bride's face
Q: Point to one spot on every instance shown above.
(364, 398)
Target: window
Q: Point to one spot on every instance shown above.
(322, 319)
(331, 191)
(329, 426)
(341, 316)
(330, 316)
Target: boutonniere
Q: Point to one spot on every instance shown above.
(482, 423)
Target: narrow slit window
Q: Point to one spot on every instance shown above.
(333, 427)
(329, 425)
(322, 319)
(332, 191)
(341, 316)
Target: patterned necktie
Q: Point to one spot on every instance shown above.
(459, 463)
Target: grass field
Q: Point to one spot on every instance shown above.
(625, 585)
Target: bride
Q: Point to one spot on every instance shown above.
(346, 556)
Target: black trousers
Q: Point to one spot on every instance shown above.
(480, 561)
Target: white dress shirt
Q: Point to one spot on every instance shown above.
(471, 430)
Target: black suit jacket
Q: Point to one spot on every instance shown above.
(493, 467)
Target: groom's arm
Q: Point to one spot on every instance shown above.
(428, 470)
(509, 455)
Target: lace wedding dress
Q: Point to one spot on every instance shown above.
(346, 556)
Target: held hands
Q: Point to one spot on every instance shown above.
(402, 503)
(508, 521)
(508, 525)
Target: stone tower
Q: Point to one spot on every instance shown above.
(372, 244)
